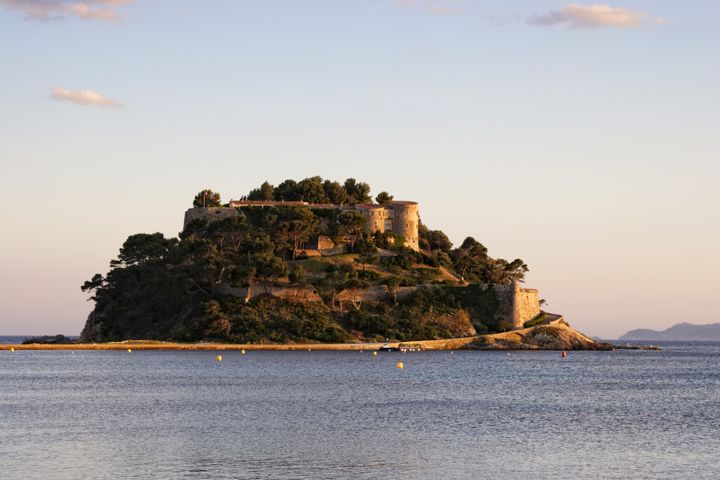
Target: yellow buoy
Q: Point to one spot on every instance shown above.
(400, 365)
(12, 349)
(129, 350)
(219, 358)
(242, 352)
(374, 354)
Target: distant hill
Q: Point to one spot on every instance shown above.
(680, 332)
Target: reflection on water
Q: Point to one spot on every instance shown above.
(316, 415)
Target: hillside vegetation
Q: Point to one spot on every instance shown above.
(241, 279)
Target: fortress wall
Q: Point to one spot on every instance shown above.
(406, 223)
(375, 219)
(209, 213)
(290, 293)
(527, 305)
(516, 305)
(403, 217)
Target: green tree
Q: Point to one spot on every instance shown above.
(207, 198)
(335, 192)
(472, 262)
(287, 191)
(384, 198)
(227, 233)
(264, 193)
(297, 275)
(96, 282)
(469, 259)
(143, 248)
(311, 190)
(433, 239)
(357, 192)
(393, 287)
(365, 259)
(256, 260)
(217, 323)
(295, 226)
(351, 225)
(439, 241)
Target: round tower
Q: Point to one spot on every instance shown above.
(375, 215)
(406, 221)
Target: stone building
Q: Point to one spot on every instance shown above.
(517, 305)
(398, 217)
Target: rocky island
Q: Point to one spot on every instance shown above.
(317, 262)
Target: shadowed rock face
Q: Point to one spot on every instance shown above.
(50, 340)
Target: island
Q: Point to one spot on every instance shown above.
(314, 263)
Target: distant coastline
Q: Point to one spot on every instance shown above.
(681, 332)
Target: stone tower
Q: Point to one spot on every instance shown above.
(406, 221)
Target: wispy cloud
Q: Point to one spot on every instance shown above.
(442, 9)
(592, 16)
(438, 7)
(47, 10)
(83, 97)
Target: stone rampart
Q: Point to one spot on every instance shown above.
(210, 214)
(516, 305)
(406, 222)
(400, 217)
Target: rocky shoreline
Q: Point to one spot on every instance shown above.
(551, 335)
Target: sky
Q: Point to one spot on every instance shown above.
(583, 138)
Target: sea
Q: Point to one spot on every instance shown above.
(626, 414)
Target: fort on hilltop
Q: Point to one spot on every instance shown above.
(399, 217)
(516, 305)
(310, 261)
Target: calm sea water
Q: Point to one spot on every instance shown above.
(338, 415)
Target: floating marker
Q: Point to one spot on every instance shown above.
(12, 349)
(564, 355)
(242, 352)
(129, 350)
(374, 354)
(400, 365)
(219, 358)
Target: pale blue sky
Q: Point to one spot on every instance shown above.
(584, 140)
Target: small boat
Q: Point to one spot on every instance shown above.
(388, 348)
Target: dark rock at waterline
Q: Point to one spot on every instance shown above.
(50, 340)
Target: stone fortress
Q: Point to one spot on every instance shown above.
(517, 305)
(398, 217)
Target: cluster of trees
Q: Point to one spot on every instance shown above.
(317, 190)
(181, 289)
(471, 261)
(207, 198)
(169, 289)
(426, 313)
